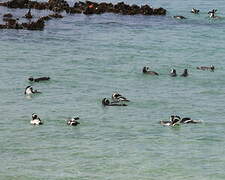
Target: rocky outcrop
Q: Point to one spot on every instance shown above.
(8, 15)
(35, 25)
(87, 7)
(119, 8)
(13, 24)
(58, 5)
(56, 15)
(16, 3)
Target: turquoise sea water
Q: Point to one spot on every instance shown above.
(90, 57)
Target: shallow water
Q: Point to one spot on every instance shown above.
(90, 57)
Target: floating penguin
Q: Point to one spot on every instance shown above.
(29, 91)
(185, 73)
(211, 68)
(195, 11)
(116, 97)
(173, 73)
(36, 120)
(73, 121)
(174, 120)
(106, 102)
(179, 17)
(188, 120)
(212, 14)
(146, 70)
(38, 79)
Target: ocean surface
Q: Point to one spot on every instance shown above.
(90, 57)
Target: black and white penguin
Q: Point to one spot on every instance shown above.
(36, 120)
(188, 120)
(73, 121)
(194, 11)
(185, 73)
(179, 17)
(106, 102)
(212, 14)
(173, 73)
(29, 91)
(38, 79)
(146, 70)
(116, 97)
(174, 120)
(211, 68)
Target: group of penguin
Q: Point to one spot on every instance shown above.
(35, 118)
(116, 99)
(37, 121)
(173, 72)
(177, 120)
(196, 11)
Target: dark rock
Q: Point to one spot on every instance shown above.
(6, 19)
(36, 25)
(56, 15)
(146, 10)
(58, 5)
(8, 15)
(45, 18)
(17, 3)
(80, 5)
(3, 26)
(159, 11)
(74, 10)
(13, 24)
(87, 7)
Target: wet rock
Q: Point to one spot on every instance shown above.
(45, 18)
(87, 7)
(35, 25)
(3, 26)
(38, 5)
(6, 19)
(159, 11)
(12, 24)
(56, 15)
(146, 10)
(58, 5)
(80, 5)
(73, 10)
(8, 15)
(17, 3)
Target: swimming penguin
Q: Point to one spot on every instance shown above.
(211, 68)
(185, 73)
(195, 11)
(179, 17)
(174, 120)
(36, 120)
(173, 73)
(116, 97)
(146, 70)
(106, 102)
(73, 121)
(188, 120)
(38, 79)
(212, 14)
(29, 90)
